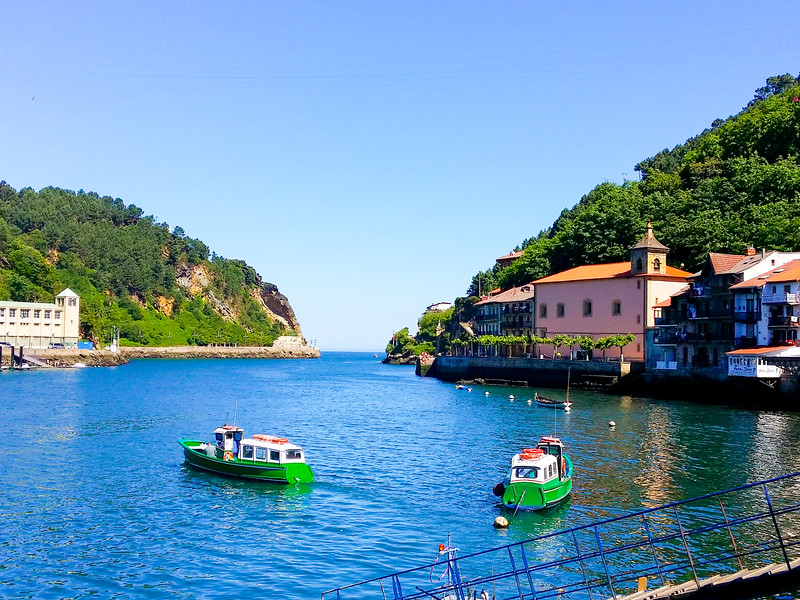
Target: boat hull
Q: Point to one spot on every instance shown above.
(289, 473)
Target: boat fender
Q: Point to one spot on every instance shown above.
(227, 455)
(499, 523)
(499, 489)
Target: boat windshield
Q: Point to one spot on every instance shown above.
(526, 472)
(294, 454)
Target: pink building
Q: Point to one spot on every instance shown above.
(609, 299)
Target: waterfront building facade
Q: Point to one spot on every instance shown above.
(609, 299)
(715, 315)
(41, 324)
(487, 316)
(771, 303)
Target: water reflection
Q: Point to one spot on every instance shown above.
(659, 454)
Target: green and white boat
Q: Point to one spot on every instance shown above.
(539, 477)
(262, 457)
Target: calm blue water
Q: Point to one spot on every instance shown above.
(97, 501)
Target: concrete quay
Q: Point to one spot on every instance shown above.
(531, 371)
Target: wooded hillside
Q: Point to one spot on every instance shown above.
(156, 286)
(736, 183)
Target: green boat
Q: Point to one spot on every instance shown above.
(539, 477)
(262, 457)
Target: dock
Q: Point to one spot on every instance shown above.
(742, 543)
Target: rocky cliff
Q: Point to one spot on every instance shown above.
(198, 280)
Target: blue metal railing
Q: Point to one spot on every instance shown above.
(724, 532)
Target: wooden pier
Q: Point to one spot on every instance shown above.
(742, 585)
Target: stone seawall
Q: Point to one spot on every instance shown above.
(289, 351)
(69, 357)
(530, 371)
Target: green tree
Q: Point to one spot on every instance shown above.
(622, 340)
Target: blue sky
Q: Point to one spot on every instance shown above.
(368, 157)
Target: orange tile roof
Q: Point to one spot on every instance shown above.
(724, 262)
(604, 271)
(515, 294)
(757, 351)
(510, 256)
(788, 272)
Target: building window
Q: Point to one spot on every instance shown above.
(616, 308)
(2, 312)
(37, 314)
(24, 313)
(58, 315)
(47, 314)
(560, 309)
(638, 285)
(656, 265)
(587, 308)
(72, 302)
(638, 319)
(543, 311)
(638, 265)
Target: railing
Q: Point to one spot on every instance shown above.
(746, 342)
(779, 298)
(747, 316)
(711, 313)
(783, 321)
(725, 532)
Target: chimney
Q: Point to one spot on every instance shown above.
(750, 250)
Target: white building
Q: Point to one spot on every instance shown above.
(769, 304)
(39, 324)
(749, 362)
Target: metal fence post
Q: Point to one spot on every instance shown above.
(583, 567)
(686, 545)
(653, 548)
(777, 529)
(605, 564)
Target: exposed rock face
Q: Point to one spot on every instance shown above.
(192, 278)
(165, 305)
(196, 280)
(400, 359)
(277, 304)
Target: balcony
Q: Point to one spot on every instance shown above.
(746, 341)
(747, 316)
(779, 298)
(784, 321)
(711, 313)
(666, 320)
(667, 339)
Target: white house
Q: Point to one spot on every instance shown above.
(769, 305)
(749, 362)
(39, 324)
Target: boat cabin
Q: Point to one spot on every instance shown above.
(228, 438)
(258, 449)
(267, 448)
(540, 464)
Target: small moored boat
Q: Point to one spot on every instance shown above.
(262, 457)
(539, 477)
(550, 403)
